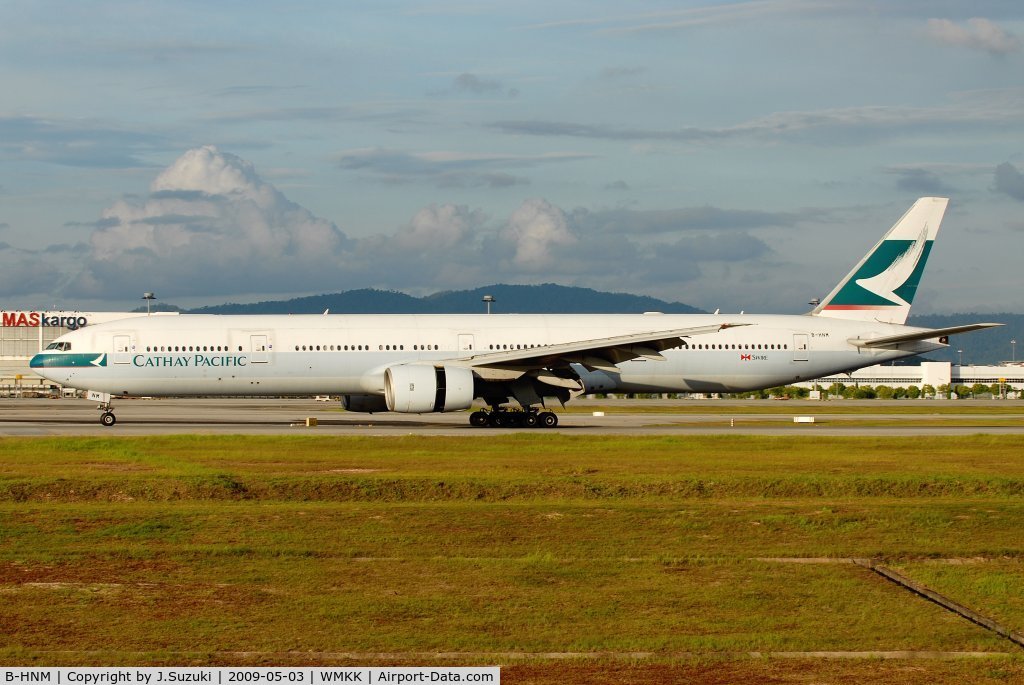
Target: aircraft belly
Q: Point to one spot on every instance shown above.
(725, 372)
(169, 375)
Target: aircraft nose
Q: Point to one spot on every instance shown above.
(38, 361)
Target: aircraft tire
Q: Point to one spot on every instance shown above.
(548, 419)
(108, 419)
(478, 419)
(531, 420)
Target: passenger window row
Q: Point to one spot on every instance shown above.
(189, 348)
(359, 348)
(517, 346)
(737, 346)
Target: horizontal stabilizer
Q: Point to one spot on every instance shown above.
(921, 334)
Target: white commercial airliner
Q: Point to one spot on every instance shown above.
(442, 363)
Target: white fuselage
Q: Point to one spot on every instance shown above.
(348, 354)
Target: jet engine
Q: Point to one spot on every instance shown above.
(421, 388)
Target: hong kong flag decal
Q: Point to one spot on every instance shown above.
(744, 357)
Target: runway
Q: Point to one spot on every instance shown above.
(54, 417)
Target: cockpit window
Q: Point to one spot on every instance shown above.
(59, 346)
(53, 346)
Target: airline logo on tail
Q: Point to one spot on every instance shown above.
(889, 278)
(882, 286)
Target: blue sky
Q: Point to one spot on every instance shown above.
(739, 155)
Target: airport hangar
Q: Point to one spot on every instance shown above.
(24, 333)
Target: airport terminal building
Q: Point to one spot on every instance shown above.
(23, 333)
(935, 374)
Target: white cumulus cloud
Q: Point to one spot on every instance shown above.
(440, 227)
(210, 223)
(535, 229)
(977, 34)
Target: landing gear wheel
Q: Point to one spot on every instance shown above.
(496, 420)
(478, 419)
(531, 420)
(548, 419)
(108, 419)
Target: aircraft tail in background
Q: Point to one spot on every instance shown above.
(882, 286)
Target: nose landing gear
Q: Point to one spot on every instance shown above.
(107, 418)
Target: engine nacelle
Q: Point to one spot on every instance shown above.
(422, 388)
(367, 404)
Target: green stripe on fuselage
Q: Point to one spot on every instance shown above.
(58, 360)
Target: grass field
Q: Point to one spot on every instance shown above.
(564, 559)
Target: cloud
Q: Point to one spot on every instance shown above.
(30, 272)
(615, 73)
(362, 112)
(446, 169)
(977, 34)
(76, 143)
(533, 234)
(982, 110)
(1010, 181)
(210, 224)
(707, 218)
(920, 181)
(440, 228)
(472, 83)
(682, 19)
(597, 131)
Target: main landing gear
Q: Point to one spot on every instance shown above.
(502, 417)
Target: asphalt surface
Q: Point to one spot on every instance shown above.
(42, 417)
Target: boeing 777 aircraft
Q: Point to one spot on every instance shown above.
(441, 363)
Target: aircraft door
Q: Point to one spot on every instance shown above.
(122, 349)
(801, 347)
(465, 342)
(259, 349)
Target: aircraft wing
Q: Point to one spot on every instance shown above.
(927, 334)
(600, 353)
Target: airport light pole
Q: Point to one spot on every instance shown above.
(148, 297)
(960, 354)
(489, 299)
(1013, 350)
